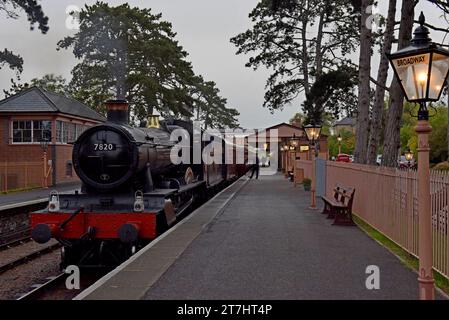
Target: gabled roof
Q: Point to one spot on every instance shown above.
(284, 124)
(346, 122)
(36, 99)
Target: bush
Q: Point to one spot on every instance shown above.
(306, 182)
(443, 166)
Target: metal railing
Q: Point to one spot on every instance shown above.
(386, 198)
(20, 175)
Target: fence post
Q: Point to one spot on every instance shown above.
(6, 176)
(447, 230)
(26, 175)
(409, 208)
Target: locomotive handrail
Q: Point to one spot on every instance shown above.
(63, 224)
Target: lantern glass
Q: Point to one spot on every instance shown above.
(413, 72)
(339, 138)
(408, 155)
(312, 132)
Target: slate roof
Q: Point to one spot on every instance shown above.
(36, 99)
(346, 122)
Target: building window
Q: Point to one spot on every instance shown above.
(80, 129)
(65, 132)
(41, 131)
(69, 169)
(29, 131)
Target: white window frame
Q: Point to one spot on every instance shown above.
(11, 131)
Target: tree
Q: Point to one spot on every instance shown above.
(437, 138)
(298, 119)
(363, 106)
(376, 127)
(299, 40)
(210, 108)
(129, 53)
(331, 86)
(48, 82)
(35, 16)
(392, 130)
(347, 143)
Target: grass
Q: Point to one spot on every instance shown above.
(20, 190)
(406, 258)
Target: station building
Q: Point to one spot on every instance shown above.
(286, 133)
(31, 117)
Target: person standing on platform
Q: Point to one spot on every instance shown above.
(255, 168)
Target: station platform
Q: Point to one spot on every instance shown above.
(32, 196)
(258, 240)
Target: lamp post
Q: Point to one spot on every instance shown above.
(422, 70)
(339, 139)
(44, 146)
(409, 157)
(313, 132)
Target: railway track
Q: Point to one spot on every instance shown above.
(28, 257)
(18, 239)
(17, 215)
(54, 288)
(38, 290)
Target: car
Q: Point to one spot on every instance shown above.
(342, 157)
(379, 159)
(403, 163)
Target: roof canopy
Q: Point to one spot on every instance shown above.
(36, 99)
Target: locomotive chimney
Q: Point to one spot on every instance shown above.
(117, 111)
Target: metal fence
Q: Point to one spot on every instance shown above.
(20, 175)
(386, 198)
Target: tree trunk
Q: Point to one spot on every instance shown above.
(362, 127)
(392, 130)
(379, 97)
(319, 40)
(305, 56)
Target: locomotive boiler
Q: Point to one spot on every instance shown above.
(131, 191)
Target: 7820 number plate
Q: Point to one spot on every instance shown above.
(104, 147)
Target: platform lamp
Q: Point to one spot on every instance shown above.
(422, 70)
(313, 132)
(44, 146)
(339, 139)
(409, 156)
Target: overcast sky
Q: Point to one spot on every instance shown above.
(204, 28)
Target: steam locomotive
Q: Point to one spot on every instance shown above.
(131, 191)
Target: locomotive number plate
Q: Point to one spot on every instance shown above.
(104, 147)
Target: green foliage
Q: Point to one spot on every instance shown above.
(443, 166)
(306, 182)
(347, 143)
(49, 82)
(130, 53)
(438, 136)
(210, 107)
(279, 41)
(333, 91)
(297, 119)
(35, 16)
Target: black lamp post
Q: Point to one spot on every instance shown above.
(313, 132)
(422, 69)
(339, 139)
(294, 142)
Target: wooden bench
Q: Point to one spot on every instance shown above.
(339, 206)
